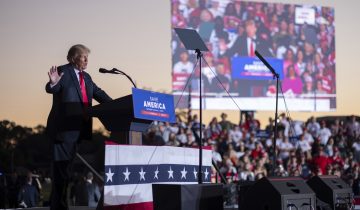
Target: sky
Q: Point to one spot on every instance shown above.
(133, 36)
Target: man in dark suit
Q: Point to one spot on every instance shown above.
(247, 44)
(73, 90)
(28, 195)
(92, 190)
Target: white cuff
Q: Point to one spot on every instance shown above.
(52, 85)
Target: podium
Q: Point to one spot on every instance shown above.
(126, 118)
(118, 117)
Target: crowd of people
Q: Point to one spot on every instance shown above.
(33, 190)
(242, 152)
(233, 29)
(245, 152)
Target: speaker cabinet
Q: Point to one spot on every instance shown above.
(333, 191)
(188, 197)
(279, 194)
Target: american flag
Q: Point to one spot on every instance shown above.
(130, 171)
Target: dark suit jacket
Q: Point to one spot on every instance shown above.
(241, 49)
(67, 122)
(29, 195)
(93, 194)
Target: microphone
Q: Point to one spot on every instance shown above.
(105, 71)
(117, 71)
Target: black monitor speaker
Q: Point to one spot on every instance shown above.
(279, 193)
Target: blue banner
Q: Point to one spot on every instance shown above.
(253, 68)
(153, 106)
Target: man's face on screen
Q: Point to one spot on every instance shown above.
(251, 30)
(81, 62)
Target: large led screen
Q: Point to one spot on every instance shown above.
(297, 40)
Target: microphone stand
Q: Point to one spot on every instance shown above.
(275, 76)
(119, 135)
(117, 71)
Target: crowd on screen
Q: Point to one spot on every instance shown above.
(245, 152)
(238, 28)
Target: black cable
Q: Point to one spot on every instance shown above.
(201, 57)
(222, 84)
(223, 180)
(187, 82)
(291, 122)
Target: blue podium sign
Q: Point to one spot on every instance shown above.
(253, 68)
(151, 105)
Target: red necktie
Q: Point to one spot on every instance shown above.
(83, 89)
(252, 51)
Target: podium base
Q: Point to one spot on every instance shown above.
(188, 197)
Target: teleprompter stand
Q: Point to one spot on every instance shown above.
(192, 196)
(192, 41)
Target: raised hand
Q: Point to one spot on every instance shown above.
(54, 76)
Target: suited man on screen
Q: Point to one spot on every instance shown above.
(73, 90)
(247, 44)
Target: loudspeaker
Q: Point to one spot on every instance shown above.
(188, 196)
(333, 191)
(279, 194)
(243, 187)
